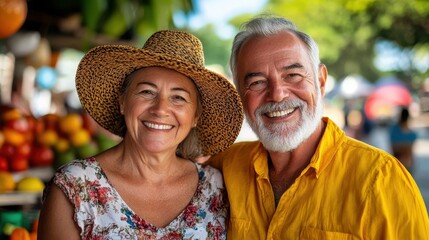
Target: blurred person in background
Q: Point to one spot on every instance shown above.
(304, 178)
(168, 109)
(402, 139)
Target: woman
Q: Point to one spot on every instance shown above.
(169, 109)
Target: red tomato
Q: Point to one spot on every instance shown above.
(41, 156)
(20, 125)
(7, 150)
(4, 164)
(24, 149)
(39, 126)
(19, 163)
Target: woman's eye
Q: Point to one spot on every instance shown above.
(178, 98)
(257, 85)
(147, 93)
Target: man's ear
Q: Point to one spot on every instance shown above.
(323, 77)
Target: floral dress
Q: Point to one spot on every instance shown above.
(101, 213)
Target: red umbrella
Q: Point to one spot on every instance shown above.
(381, 103)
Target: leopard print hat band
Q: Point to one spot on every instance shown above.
(103, 69)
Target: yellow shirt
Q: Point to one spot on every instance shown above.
(350, 190)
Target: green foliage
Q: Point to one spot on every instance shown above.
(133, 19)
(347, 30)
(216, 50)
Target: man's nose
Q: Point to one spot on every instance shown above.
(277, 90)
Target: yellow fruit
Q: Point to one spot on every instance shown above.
(71, 123)
(62, 145)
(7, 183)
(48, 137)
(30, 184)
(80, 137)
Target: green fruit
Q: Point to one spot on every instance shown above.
(62, 158)
(87, 150)
(104, 142)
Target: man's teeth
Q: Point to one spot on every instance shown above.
(158, 126)
(279, 113)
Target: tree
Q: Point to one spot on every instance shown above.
(132, 20)
(347, 31)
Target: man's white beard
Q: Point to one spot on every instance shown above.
(284, 136)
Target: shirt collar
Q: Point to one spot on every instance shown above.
(328, 145)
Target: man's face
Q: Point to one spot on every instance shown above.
(282, 97)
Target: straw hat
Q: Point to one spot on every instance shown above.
(102, 70)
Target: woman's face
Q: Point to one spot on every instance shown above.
(160, 108)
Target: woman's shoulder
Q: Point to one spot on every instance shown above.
(209, 174)
(79, 168)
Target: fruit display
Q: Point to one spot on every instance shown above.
(14, 226)
(30, 184)
(50, 140)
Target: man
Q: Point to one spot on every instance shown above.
(305, 179)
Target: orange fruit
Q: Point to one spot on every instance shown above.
(7, 182)
(71, 123)
(14, 137)
(35, 225)
(19, 233)
(33, 236)
(48, 137)
(50, 120)
(2, 138)
(12, 114)
(12, 16)
(80, 137)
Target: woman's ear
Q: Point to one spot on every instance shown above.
(195, 122)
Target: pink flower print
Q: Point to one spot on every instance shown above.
(190, 216)
(215, 204)
(172, 236)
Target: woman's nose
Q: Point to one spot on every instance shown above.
(160, 107)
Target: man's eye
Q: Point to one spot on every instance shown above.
(257, 85)
(293, 77)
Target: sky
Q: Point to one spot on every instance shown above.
(218, 12)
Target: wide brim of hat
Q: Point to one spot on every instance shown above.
(102, 70)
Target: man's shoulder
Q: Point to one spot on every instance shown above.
(238, 146)
(235, 153)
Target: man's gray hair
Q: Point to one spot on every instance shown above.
(266, 25)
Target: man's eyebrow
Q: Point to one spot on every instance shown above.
(293, 66)
(288, 67)
(252, 74)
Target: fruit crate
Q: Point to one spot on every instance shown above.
(19, 198)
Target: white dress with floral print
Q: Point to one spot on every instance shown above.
(101, 213)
